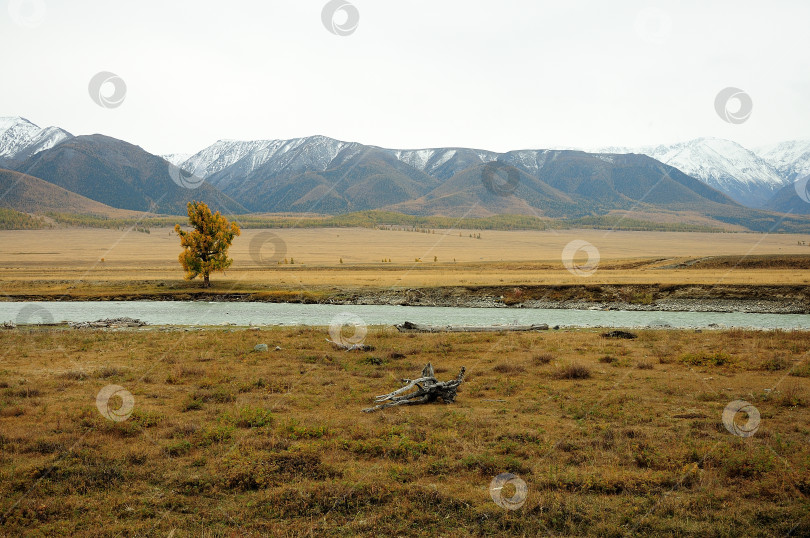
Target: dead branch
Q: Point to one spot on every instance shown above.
(428, 389)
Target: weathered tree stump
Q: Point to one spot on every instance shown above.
(428, 389)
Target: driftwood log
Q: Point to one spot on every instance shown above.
(409, 327)
(428, 389)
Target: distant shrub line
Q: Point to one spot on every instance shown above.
(15, 220)
(392, 221)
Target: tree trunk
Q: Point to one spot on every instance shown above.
(206, 283)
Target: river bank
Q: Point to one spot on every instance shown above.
(765, 299)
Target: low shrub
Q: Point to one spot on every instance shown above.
(572, 371)
(707, 359)
(542, 358)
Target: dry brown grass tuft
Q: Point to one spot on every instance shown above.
(73, 375)
(508, 368)
(572, 371)
(108, 371)
(794, 395)
(542, 358)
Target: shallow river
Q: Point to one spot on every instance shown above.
(217, 313)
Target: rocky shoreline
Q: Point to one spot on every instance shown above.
(761, 299)
(672, 305)
(689, 299)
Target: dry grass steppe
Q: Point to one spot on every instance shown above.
(612, 437)
(69, 261)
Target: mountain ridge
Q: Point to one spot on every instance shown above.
(323, 174)
(747, 176)
(744, 175)
(121, 175)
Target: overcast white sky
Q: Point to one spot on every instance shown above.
(499, 75)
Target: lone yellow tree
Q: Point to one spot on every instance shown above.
(205, 248)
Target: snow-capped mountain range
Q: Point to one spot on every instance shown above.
(227, 161)
(749, 177)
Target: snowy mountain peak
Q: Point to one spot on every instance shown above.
(722, 164)
(719, 160)
(15, 134)
(177, 159)
(791, 159)
(7, 122)
(20, 138)
(227, 160)
(222, 154)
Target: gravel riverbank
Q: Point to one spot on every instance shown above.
(760, 299)
(744, 299)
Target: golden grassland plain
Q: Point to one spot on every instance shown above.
(611, 437)
(59, 260)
